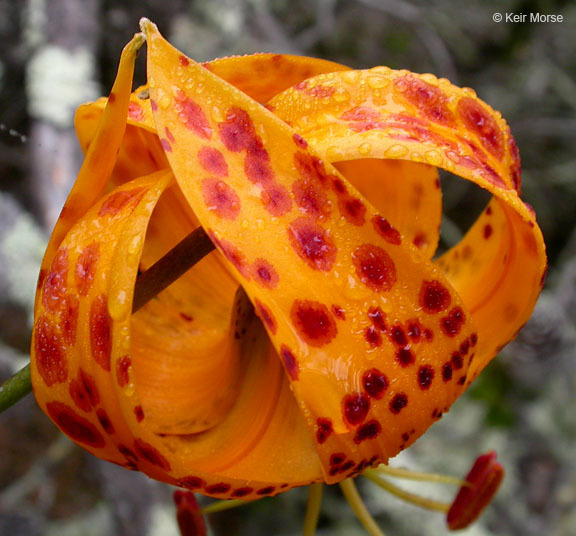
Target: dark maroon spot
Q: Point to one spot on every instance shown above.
(353, 210)
(290, 362)
(313, 322)
(266, 491)
(191, 116)
(111, 97)
(221, 198)
(311, 197)
(374, 267)
(404, 356)
(233, 254)
(428, 335)
(487, 231)
(385, 230)
(447, 372)
(50, 353)
(101, 331)
(191, 482)
(148, 452)
(456, 360)
(84, 391)
(266, 316)
(373, 337)
(465, 346)
(86, 268)
(355, 408)
(369, 430)
(311, 168)
(414, 330)
(139, 413)
(425, 376)
(377, 317)
(434, 297)
(122, 368)
(264, 273)
(213, 161)
(237, 131)
(473, 339)
(339, 186)
(337, 458)
(119, 200)
(312, 243)
(398, 403)
(452, 324)
(477, 119)
(104, 421)
(300, 141)
(74, 426)
(242, 492)
(257, 164)
(217, 489)
(185, 317)
(375, 383)
(276, 200)
(420, 240)
(346, 466)
(324, 429)
(338, 312)
(398, 336)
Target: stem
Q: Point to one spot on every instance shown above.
(354, 500)
(412, 498)
(15, 388)
(313, 509)
(160, 275)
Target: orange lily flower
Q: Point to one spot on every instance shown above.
(318, 185)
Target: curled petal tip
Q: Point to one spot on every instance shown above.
(482, 483)
(146, 25)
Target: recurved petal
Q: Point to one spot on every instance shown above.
(498, 267)
(365, 327)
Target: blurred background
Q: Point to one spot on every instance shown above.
(56, 54)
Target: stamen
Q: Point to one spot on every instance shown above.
(357, 504)
(423, 502)
(221, 506)
(400, 472)
(313, 509)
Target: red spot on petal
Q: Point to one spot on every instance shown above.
(447, 372)
(213, 161)
(398, 336)
(377, 317)
(434, 297)
(264, 273)
(375, 383)
(55, 282)
(192, 116)
(313, 322)
(218, 489)
(139, 413)
(425, 376)
(74, 426)
(355, 408)
(220, 198)
(310, 168)
(369, 430)
(487, 231)
(404, 356)
(237, 131)
(353, 210)
(166, 145)
(192, 482)
(290, 362)
(151, 454)
(50, 353)
(373, 338)
(104, 421)
(257, 163)
(374, 267)
(300, 141)
(111, 97)
(135, 111)
(276, 200)
(266, 491)
(324, 429)
(398, 403)
(361, 113)
(311, 197)
(119, 200)
(86, 268)
(122, 370)
(452, 324)
(386, 231)
(457, 360)
(188, 514)
(478, 120)
(312, 243)
(68, 319)
(266, 316)
(242, 492)
(233, 254)
(84, 391)
(338, 312)
(184, 61)
(101, 331)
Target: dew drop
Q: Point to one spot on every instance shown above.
(164, 102)
(378, 82)
(365, 148)
(434, 158)
(396, 151)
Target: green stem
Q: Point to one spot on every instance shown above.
(15, 388)
(313, 509)
(355, 501)
(163, 273)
